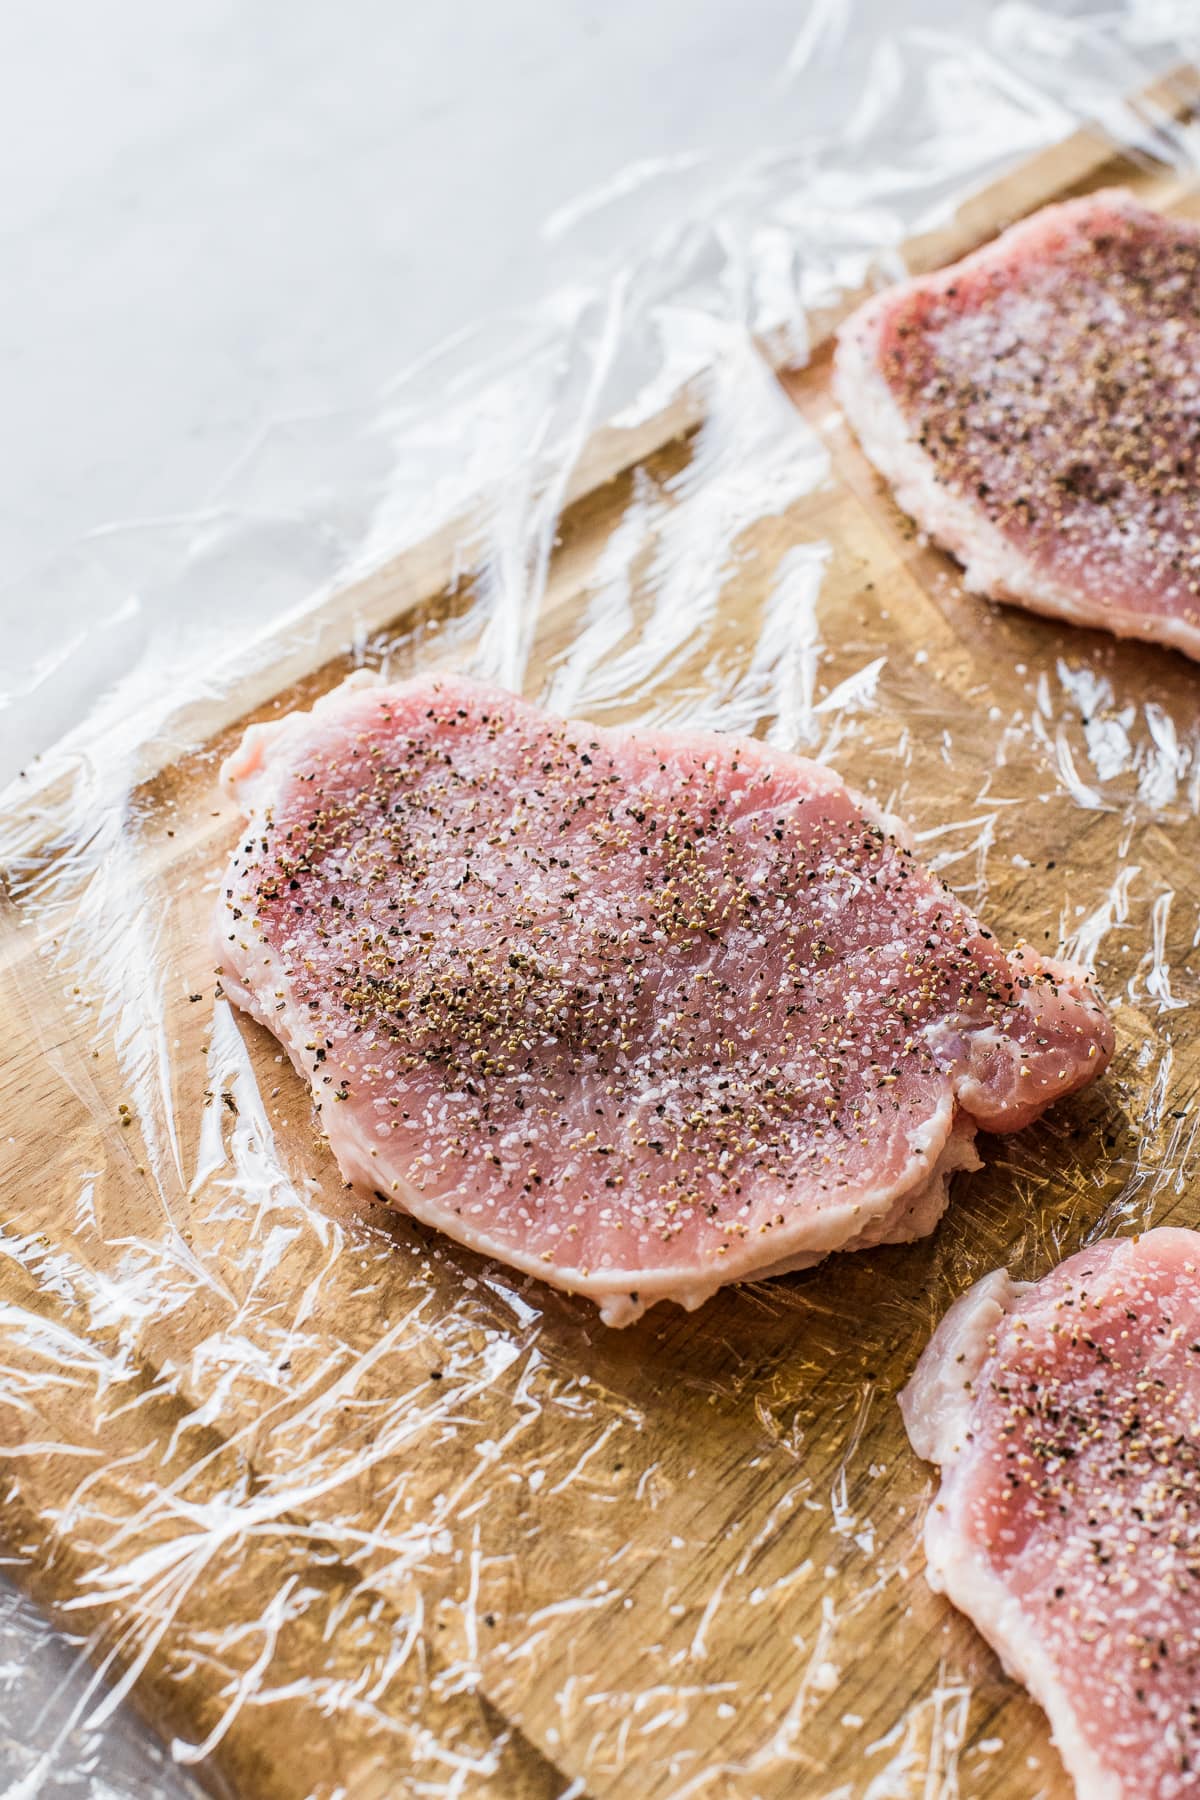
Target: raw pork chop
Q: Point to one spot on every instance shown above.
(1065, 1415)
(640, 1012)
(1037, 410)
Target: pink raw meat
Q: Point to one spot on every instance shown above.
(640, 1012)
(1036, 408)
(1065, 1415)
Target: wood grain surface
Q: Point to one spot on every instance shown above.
(433, 1525)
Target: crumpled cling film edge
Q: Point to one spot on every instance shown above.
(801, 225)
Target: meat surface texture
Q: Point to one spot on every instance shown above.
(639, 1012)
(1065, 1416)
(1036, 409)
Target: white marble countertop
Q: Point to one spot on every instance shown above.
(223, 211)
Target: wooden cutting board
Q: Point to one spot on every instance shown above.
(361, 1514)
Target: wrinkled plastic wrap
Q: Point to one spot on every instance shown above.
(343, 1508)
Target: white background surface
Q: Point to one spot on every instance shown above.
(217, 213)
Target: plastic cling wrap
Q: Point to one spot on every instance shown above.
(344, 1509)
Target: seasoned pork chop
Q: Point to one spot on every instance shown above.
(640, 1012)
(1065, 1416)
(1036, 408)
